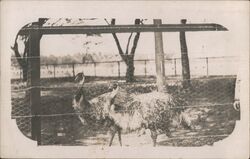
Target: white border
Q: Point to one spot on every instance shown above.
(14, 14)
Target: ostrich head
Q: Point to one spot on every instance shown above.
(80, 78)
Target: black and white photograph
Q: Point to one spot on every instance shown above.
(125, 79)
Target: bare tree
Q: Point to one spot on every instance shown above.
(22, 58)
(128, 57)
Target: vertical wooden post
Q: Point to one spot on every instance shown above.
(207, 65)
(119, 72)
(54, 71)
(34, 82)
(73, 69)
(175, 71)
(184, 58)
(145, 68)
(159, 58)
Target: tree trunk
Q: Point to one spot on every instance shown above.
(130, 70)
(128, 57)
(21, 61)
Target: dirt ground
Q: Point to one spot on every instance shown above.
(211, 123)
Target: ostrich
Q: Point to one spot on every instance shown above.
(139, 111)
(142, 113)
(93, 109)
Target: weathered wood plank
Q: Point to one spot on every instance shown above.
(34, 82)
(184, 58)
(159, 59)
(98, 29)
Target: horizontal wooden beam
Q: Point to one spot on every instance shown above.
(99, 29)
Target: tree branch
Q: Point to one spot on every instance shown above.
(119, 46)
(18, 56)
(26, 48)
(136, 39)
(128, 43)
(117, 41)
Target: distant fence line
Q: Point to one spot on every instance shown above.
(203, 66)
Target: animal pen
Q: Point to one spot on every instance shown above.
(209, 99)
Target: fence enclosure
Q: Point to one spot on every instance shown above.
(204, 66)
(50, 114)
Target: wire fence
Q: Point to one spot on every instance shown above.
(87, 113)
(210, 98)
(205, 66)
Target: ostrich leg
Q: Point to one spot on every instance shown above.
(113, 130)
(154, 137)
(119, 136)
(112, 134)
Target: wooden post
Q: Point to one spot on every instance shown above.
(159, 58)
(145, 68)
(207, 65)
(119, 72)
(34, 82)
(184, 58)
(73, 69)
(175, 71)
(54, 71)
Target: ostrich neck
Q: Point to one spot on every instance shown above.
(81, 97)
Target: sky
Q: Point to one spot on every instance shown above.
(230, 14)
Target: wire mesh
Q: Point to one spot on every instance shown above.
(208, 103)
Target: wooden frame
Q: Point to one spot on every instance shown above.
(37, 30)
